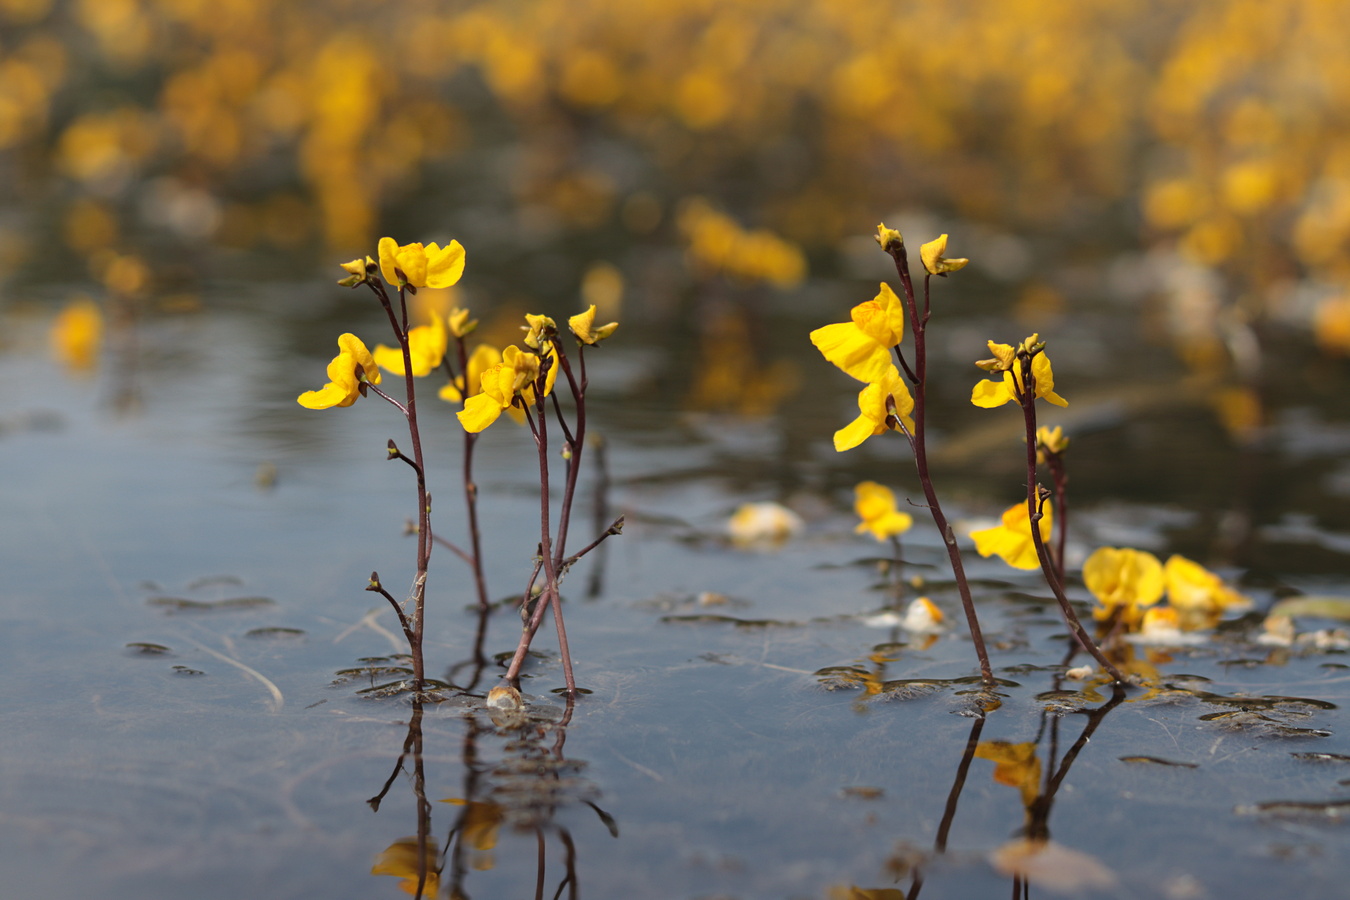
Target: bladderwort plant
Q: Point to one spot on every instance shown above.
(484, 383)
(870, 348)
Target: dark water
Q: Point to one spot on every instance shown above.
(169, 732)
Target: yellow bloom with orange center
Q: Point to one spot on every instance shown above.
(1125, 579)
(875, 416)
(875, 505)
(421, 265)
(1011, 539)
(862, 347)
(1190, 586)
(344, 376)
(426, 349)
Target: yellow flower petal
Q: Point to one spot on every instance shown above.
(933, 260)
(479, 411)
(444, 267)
(849, 348)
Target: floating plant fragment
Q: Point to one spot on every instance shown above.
(145, 648)
(183, 604)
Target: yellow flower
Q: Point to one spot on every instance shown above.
(479, 826)
(1011, 539)
(1005, 357)
(538, 329)
(989, 394)
(484, 357)
(887, 236)
(862, 347)
(1126, 578)
(500, 384)
(344, 376)
(358, 271)
(873, 412)
(421, 266)
(461, 326)
(1190, 586)
(400, 860)
(1051, 440)
(875, 505)
(583, 326)
(935, 262)
(1015, 765)
(76, 335)
(426, 349)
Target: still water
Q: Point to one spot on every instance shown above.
(186, 640)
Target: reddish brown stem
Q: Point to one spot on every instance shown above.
(917, 442)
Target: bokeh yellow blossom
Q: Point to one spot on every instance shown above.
(77, 334)
(1190, 586)
(1124, 579)
(483, 357)
(426, 349)
(875, 505)
(1011, 538)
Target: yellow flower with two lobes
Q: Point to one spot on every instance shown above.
(935, 262)
(873, 411)
(862, 347)
(484, 357)
(500, 384)
(989, 394)
(1123, 578)
(583, 326)
(426, 349)
(421, 265)
(1011, 538)
(344, 376)
(875, 505)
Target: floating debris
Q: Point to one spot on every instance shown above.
(275, 632)
(1322, 757)
(763, 525)
(1158, 761)
(863, 792)
(185, 670)
(1301, 809)
(145, 648)
(183, 604)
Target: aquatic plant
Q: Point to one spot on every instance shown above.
(485, 383)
